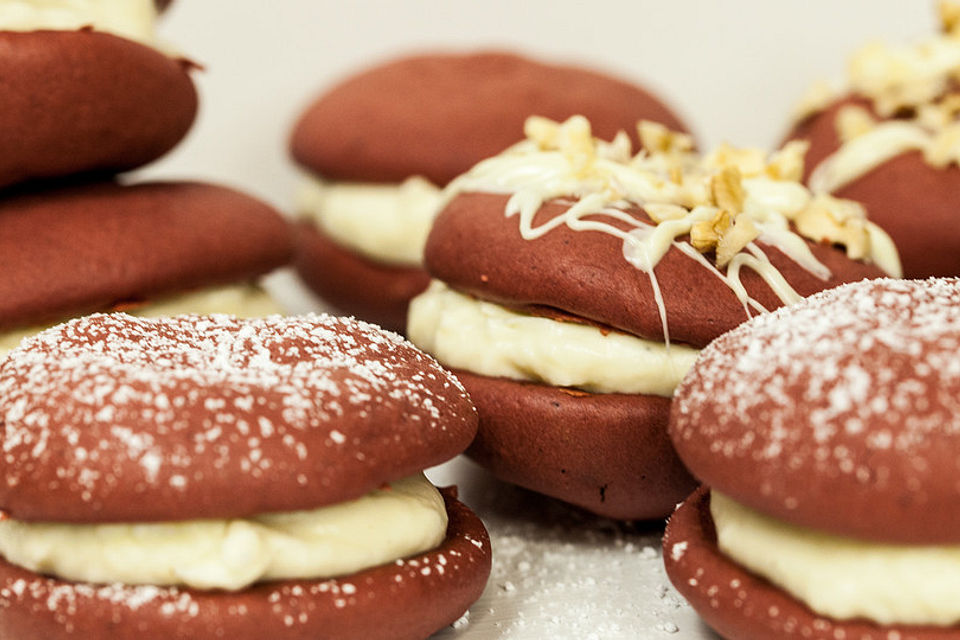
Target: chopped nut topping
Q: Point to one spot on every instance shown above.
(705, 235)
(949, 15)
(853, 121)
(727, 189)
(736, 238)
(723, 201)
(749, 162)
(787, 163)
(830, 219)
(726, 234)
(656, 138)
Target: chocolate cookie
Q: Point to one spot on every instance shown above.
(85, 248)
(446, 113)
(834, 420)
(87, 102)
(215, 417)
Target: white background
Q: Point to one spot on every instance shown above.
(733, 68)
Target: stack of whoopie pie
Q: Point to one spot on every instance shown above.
(576, 283)
(892, 142)
(381, 145)
(214, 477)
(827, 435)
(88, 92)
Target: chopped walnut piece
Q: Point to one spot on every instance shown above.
(544, 131)
(656, 138)
(705, 235)
(727, 189)
(741, 233)
(949, 11)
(787, 163)
(853, 121)
(725, 233)
(749, 162)
(837, 221)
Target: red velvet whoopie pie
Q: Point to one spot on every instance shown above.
(826, 436)
(576, 283)
(113, 421)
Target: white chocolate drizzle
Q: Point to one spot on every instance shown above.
(723, 201)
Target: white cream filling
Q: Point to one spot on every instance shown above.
(404, 519)
(131, 19)
(385, 222)
(843, 578)
(487, 339)
(243, 300)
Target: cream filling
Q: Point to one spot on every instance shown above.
(489, 340)
(131, 19)
(243, 300)
(385, 222)
(843, 578)
(404, 519)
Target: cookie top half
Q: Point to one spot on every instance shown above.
(111, 418)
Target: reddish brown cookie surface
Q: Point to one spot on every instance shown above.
(585, 273)
(374, 291)
(80, 249)
(911, 200)
(840, 413)
(112, 418)
(83, 101)
(406, 600)
(608, 453)
(742, 606)
(438, 115)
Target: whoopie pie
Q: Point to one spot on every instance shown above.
(577, 282)
(379, 146)
(87, 89)
(827, 436)
(155, 248)
(891, 142)
(211, 477)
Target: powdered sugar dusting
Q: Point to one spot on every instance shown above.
(859, 384)
(108, 403)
